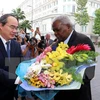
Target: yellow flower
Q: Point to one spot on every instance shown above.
(62, 80)
(55, 76)
(69, 79)
(55, 53)
(48, 60)
(34, 81)
(57, 65)
(63, 46)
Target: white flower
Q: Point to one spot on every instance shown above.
(44, 65)
(34, 69)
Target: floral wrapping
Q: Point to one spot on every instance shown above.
(62, 69)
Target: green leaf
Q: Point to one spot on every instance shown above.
(76, 76)
(81, 15)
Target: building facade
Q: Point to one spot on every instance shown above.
(42, 12)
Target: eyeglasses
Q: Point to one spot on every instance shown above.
(12, 27)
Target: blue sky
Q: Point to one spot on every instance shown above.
(8, 5)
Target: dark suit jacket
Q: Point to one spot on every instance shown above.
(84, 93)
(7, 69)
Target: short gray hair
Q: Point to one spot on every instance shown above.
(63, 19)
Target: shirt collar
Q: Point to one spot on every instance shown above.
(3, 40)
(67, 40)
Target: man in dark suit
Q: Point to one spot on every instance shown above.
(48, 39)
(64, 31)
(8, 61)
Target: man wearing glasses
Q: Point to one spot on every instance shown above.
(10, 54)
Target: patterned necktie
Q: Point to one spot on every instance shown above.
(8, 48)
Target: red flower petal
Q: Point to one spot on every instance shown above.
(79, 47)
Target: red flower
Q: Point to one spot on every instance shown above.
(79, 47)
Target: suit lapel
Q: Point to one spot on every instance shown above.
(72, 38)
(2, 49)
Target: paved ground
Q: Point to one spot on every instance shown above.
(95, 83)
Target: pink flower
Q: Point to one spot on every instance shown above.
(43, 54)
(46, 80)
(47, 49)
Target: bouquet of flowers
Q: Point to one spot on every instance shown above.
(52, 69)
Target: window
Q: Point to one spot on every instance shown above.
(83, 28)
(68, 9)
(44, 27)
(73, 8)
